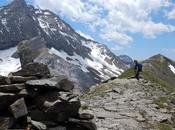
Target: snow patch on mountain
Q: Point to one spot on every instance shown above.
(7, 62)
(98, 63)
(4, 22)
(172, 68)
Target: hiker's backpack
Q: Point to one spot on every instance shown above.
(140, 67)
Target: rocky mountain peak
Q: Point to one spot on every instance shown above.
(159, 58)
(64, 50)
(18, 4)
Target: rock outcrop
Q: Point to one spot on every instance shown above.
(41, 104)
(32, 100)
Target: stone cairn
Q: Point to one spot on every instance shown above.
(31, 100)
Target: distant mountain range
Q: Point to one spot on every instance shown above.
(158, 69)
(57, 44)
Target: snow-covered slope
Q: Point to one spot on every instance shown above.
(87, 61)
(7, 62)
(172, 68)
(97, 62)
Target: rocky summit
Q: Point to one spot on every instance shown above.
(124, 104)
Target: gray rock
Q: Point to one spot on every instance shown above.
(42, 84)
(19, 108)
(64, 83)
(36, 124)
(60, 83)
(86, 116)
(12, 87)
(20, 79)
(58, 106)
(39, 70)
(25, 53)
(39, 125)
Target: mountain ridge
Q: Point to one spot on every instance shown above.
(158, 69)
(80, 57)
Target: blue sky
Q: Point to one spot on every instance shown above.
(138, 28)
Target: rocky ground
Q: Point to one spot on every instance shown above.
(124, 104)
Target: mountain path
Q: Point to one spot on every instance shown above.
(124, 104)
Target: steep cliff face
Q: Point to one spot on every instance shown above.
(84, 59)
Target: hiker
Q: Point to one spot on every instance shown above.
(138, 69)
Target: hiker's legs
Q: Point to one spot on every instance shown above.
(137, 75)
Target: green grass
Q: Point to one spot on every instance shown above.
(149, 75)
(161, 102)
(84, 107)
(163, 126)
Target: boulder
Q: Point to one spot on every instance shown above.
(6, 123)
(4, 80)
(12, 88)
(20, 79)
(36, 69)
(59, 106)
(64, 83)
(25, 53)
(19, 108)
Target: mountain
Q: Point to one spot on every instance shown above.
(127, 60)
(64, 50)
(159, 69)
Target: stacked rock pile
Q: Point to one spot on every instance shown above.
(31, 100)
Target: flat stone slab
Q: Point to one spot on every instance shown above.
(42, 83)
(19, 108)
(12, 87)
(52, 83)
(20, 79)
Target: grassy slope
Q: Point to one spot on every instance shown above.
(156, 70)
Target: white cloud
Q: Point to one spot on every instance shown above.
(169, 50)
(115, 19)
(171, 14)
(84, 35)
